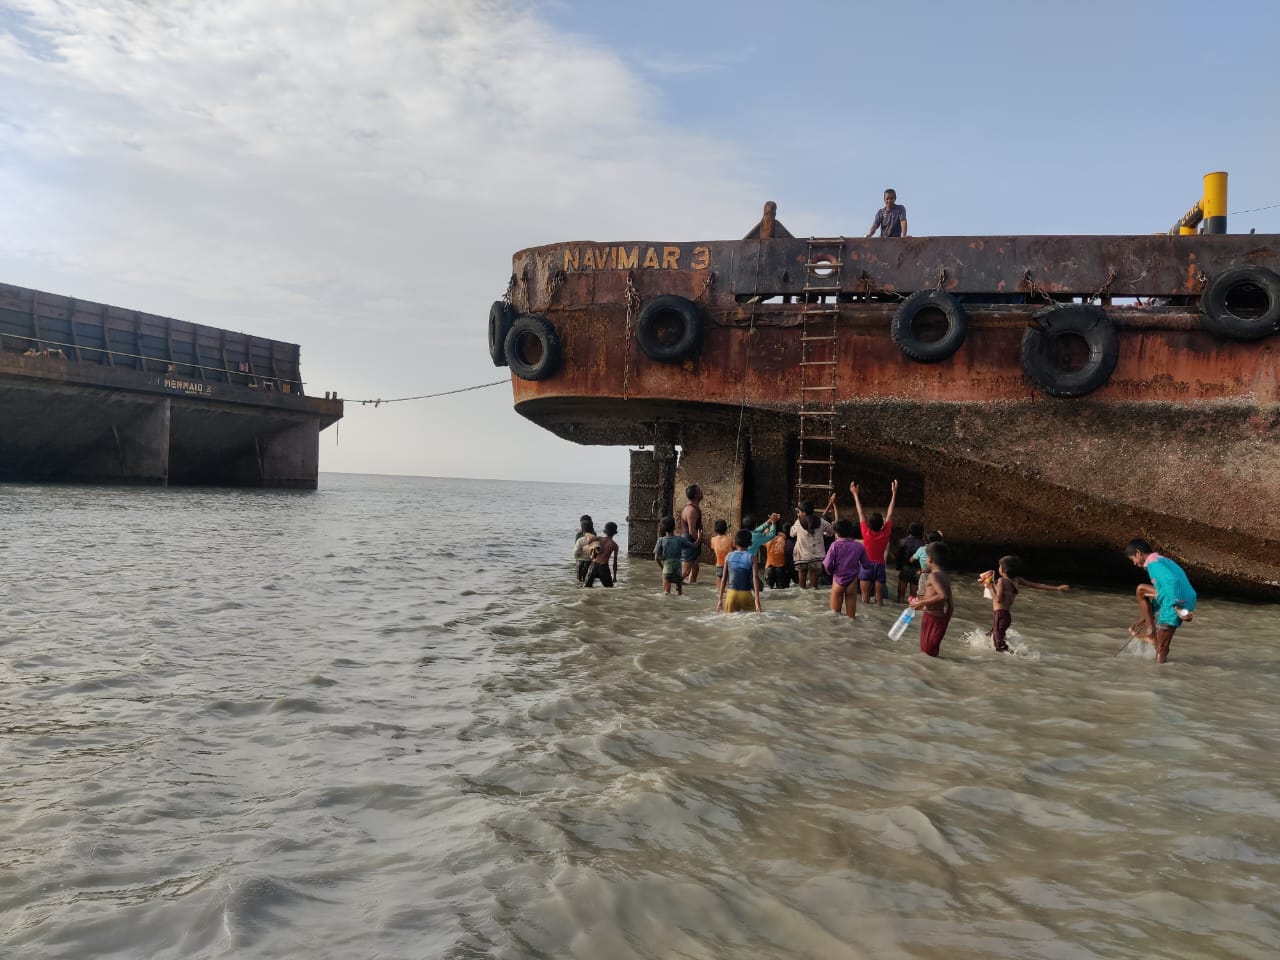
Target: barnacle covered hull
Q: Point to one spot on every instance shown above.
(1061, 444)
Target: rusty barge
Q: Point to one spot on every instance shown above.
(91, 393)
(1053, 395)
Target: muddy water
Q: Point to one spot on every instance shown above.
(347, 724)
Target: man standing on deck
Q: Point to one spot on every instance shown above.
(891, 219)
(691, 530)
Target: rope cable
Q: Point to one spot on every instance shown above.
(1236, 213)
(427, 396)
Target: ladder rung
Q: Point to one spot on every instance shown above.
(817, 363)
(820, 287)
(823, 462)
(814, 436)
(832, 387)
(831, 265)
(817, 413)
(814, 486)
(803, 337)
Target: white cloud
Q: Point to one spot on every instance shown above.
(350, 177)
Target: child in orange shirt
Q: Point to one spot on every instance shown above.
(721, 543)
(775, 570)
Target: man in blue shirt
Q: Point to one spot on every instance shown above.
(1166, 603)
(891, 219)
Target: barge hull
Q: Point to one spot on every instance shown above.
(1178, 444)
(79, 404)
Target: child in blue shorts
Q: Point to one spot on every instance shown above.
(669, 552)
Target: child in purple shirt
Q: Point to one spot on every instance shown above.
(843, 562)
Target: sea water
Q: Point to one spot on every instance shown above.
(382, 720)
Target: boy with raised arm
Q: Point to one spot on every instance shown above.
(776, 574)
(877, 530)
(1003, 583)
(810, 530)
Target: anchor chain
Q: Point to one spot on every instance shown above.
(1034, 288)
(1106, 286)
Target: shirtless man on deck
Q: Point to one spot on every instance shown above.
(690, 527)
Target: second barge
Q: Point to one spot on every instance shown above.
(91, 393)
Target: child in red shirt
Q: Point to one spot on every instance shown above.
(876, 533)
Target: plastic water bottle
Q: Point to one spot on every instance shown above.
(900, 625)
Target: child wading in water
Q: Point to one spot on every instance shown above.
(584, 547)
(1003, 589)
(908, 569)
(1166, 602)
(608, 547)
(876, 533)
(921, 556)
(721, 544)
(668, 553)
(844, 562)
(740, 585)
(775, 564)
(934, 600)
(810, 531)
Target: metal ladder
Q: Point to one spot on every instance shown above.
(815, 460)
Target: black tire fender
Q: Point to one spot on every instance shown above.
(658, 318)
(531, 347)
(1039, 359)
(929, 351)
(1251, 289)
(501, 316)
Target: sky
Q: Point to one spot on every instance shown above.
(354, 177)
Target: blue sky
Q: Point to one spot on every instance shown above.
(355, 177)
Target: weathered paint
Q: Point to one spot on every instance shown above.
(1133, 266)
(1179, 445)
(583, 257)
